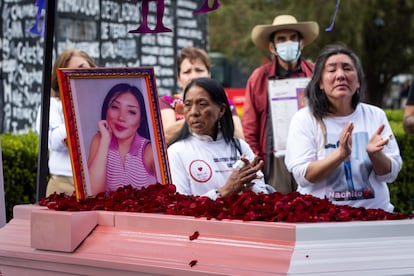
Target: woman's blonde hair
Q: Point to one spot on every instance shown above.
(62, 61)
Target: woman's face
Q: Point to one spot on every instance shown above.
(124, 115)
(191, 69)
(201, 113)
(339, 78)
(77, 62)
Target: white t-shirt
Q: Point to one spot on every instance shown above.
(200, 165)
(354, 182)
(59, 158)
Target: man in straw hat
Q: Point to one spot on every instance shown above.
(284, 38)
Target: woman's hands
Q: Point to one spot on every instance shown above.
(381, 164)
(345, 141)
(377, 141)
(242, 179)
(104, 130)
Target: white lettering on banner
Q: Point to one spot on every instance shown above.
(182, 42)
(166, 72)
(153, 50)
(148, 60)
(7, 115)
(114, 64)
(167, 82)
(9, 65)
(164, 40)
(18, 12)
(26, 53)
(110, 10)
(130, 13)
(85, 7)
(113, 30)
(27, 76)
(148, 40)
(186, 23)
(90, 47)
(7, 91)
(6, 54)
(104, 30)
(187, 4)
(185, 14)
(167, 61)
(194, 34)
(135, 63)
(124, 48)
(23, 113)
(13, 29)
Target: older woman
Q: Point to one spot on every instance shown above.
(202, 156)
(192, 63)
(339, 148)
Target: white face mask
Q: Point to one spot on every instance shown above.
(288, 51)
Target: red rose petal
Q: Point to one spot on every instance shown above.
(275, 207)
(194, 236)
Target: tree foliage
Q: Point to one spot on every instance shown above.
(379, 31)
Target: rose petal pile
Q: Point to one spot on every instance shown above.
(249, 206)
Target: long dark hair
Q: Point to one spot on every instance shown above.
(218, 95)
(317, 100)
(120, 89)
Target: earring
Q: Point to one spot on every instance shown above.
(218, 124)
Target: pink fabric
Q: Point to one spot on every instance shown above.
(133, 172)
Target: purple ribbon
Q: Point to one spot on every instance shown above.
(205, 7)
(330, 28)
(41, 5)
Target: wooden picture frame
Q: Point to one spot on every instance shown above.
(83, 93)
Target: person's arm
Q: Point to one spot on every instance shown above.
(250, 120)
(171, 126)
(57, 129)
(179, 174)
(238, 128)
(408, 122)
(97, 160)
(149, 159)
(320, 169)
(305, 145)
(381, 164)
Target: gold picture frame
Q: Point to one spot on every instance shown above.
(83, 93)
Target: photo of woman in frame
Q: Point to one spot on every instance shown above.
(114, 129)
(121, 153)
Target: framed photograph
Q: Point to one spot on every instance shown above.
(114, 129)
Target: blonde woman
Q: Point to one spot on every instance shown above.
(61, 176)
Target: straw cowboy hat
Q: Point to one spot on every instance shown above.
(261, 33)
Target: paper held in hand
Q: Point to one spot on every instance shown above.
(286, 96)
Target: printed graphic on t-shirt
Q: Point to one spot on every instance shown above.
(350, 181)
(200, 171)
(226, 161)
